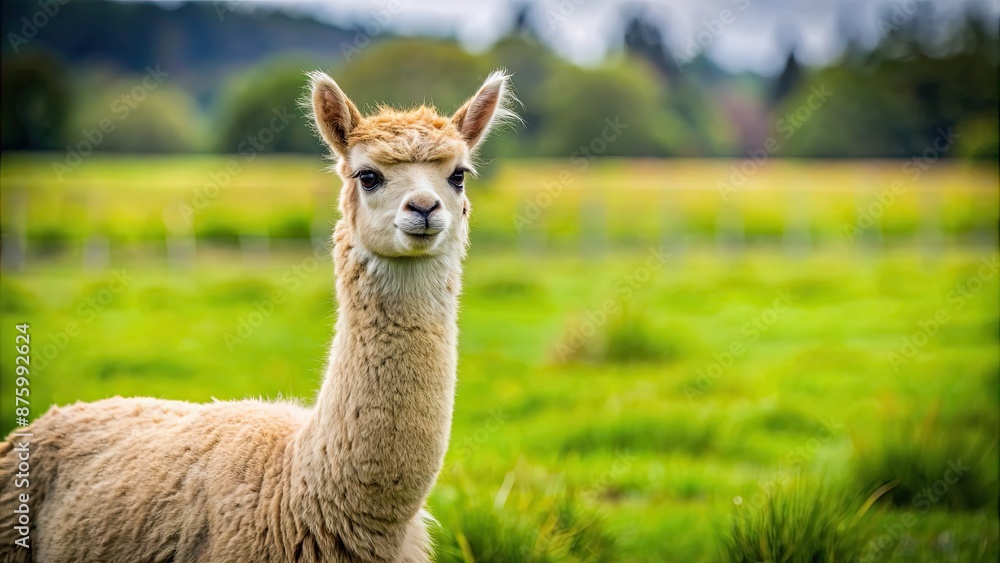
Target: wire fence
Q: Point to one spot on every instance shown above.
(590, 217)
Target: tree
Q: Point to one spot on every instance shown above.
(644, 39)
(35, 102)
(258, 111)
(408, 72)
(531, 64)
(580, 105)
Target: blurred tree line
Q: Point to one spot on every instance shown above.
(221, 92)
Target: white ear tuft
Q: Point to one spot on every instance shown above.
(492, 105)
(334, 113)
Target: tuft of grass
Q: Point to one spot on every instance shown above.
(622, 338)
(629, 338)
(292, 227)
(108, 368)
(218, 233)
(15, 298)
(508, 286)
(934, 462)
(802, 521)
(663, 435)
(521, 522)
(51, 241)
(243, 291)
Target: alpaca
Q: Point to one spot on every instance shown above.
(138, 479)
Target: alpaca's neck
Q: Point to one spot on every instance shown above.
(381, 424)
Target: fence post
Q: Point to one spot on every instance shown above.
(593, 223)
(870, 238)
(96, 246)
(531, 228)
(180, 238)
(672, 223)
(255, 247)
(729, 232)
(796, 239)
(931, 229)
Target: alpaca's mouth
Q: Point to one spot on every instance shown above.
(424, 233)
(419, 240)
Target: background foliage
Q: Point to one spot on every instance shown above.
(676, 344)
(890, 100)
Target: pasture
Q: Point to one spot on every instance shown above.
(648, 370)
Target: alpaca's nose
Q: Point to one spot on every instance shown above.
(423, 207)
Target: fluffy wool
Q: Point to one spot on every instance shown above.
(139, 479)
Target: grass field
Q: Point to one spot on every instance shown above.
(620, 201)
(841, 406)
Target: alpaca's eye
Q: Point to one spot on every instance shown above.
(369, 179)
(457, 179)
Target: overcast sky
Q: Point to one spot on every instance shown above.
(753, 35)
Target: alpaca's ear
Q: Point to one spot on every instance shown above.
(491, 105)
(334, 112)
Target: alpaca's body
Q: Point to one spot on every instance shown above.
(207, 508)
(97, 469)
(151, 480)
(148, 480)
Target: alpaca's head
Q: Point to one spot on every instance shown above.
(404, 171)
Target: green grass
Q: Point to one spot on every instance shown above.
(800, 522)
(615, 201)
(616, 336)
(930, 461)
(535, 521)
(609, 408)
(613, 460)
